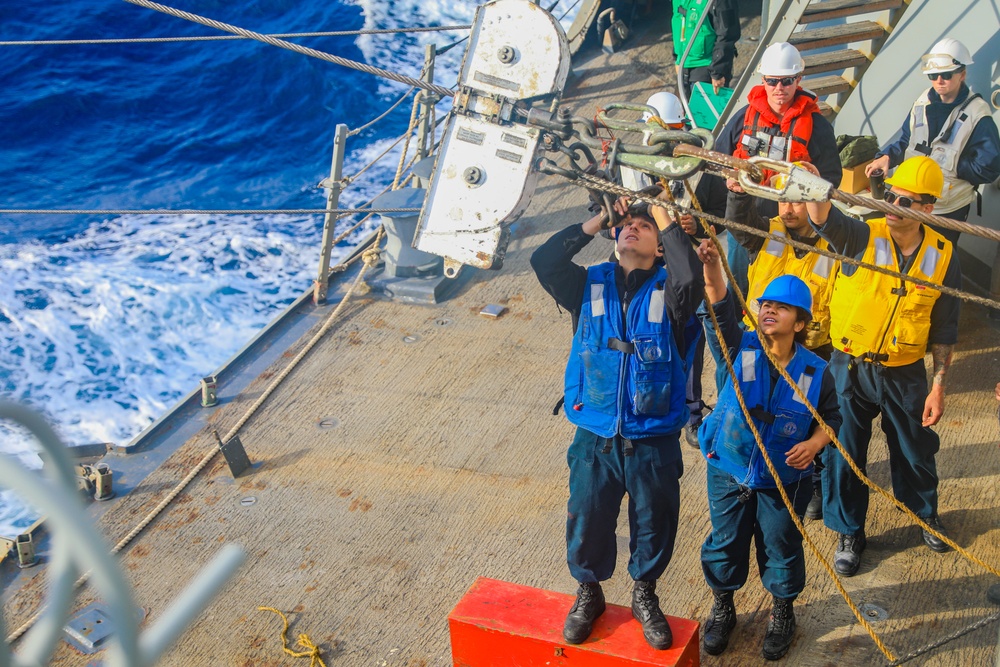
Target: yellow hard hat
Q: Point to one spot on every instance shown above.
(920, 175)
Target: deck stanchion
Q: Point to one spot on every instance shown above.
(427, 101)
(330, 220)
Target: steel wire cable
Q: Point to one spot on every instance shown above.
(337, 60)
(220, 38)
(599, 184)
(341, 212)
(359, 130)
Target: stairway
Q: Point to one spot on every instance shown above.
(847, 47)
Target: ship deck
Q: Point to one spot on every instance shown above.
(415, 450)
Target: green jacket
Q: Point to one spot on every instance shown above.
(686, 15)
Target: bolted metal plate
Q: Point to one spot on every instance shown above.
(872, 612)
(89, 629)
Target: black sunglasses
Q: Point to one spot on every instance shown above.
(891, 197)
(784, 80)
(946, 76)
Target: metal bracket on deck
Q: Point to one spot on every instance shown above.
(236, 455)
(95, 480)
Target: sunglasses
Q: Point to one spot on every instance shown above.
(891, 197)
(784, 80)
(945, 76)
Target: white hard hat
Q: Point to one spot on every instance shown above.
(947, 55)
(781, 59)
(667, 106)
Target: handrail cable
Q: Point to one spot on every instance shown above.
(329, 57)
(220, 38)
(359, 130)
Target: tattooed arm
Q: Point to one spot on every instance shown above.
(934, 404)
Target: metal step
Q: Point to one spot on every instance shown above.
(827, 85)
(835, 9)
(847, 33)
(834, 61)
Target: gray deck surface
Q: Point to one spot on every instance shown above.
(446, 464)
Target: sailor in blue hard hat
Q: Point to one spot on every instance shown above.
(743, 496)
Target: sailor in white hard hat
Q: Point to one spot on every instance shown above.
(953, 126)
(782, 121)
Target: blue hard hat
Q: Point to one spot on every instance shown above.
(790, 290)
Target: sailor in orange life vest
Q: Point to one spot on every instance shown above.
(624, 391)
(952, 125)
(881, 327)
(743, 498)
(782, 121)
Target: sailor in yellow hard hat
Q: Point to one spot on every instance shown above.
(952, 125)
(881, 327)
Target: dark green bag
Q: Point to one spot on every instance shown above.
(856, 150)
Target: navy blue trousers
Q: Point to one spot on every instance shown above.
(763, 518)
(898, 394)
(597, 483)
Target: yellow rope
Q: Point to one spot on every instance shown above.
(763, 450)
(311, 650)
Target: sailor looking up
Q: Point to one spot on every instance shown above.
(743, 498)
(710, 192)
(770, 259)
(881, 328)
(624, 393)
(953, 126)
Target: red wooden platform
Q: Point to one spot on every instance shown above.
(499, 624)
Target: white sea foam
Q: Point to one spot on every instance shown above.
(105, 331)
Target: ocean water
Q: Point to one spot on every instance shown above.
(107, 320)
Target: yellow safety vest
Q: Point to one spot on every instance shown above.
(882, 318)
(818, 272)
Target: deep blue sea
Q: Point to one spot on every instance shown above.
(107, 320)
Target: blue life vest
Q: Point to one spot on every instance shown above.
(635, 386)
(782, 420)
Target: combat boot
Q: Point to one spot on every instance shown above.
(588, 606)
(646, 610)
(721, 623)
(780, 629)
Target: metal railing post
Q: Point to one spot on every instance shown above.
(680, 65)
(330, 220)
(427, 101)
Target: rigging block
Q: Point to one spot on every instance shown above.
(485, 174)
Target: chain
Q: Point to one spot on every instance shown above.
(944, 640)
(739, 164)
(599, 184)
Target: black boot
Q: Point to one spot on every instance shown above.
(721, 623)
(780, 629)
(646, 610)
(588, 606)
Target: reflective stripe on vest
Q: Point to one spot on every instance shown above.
(869, 313)
(780, 417)
(817, 271)
(947, 147)
(636, 389)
